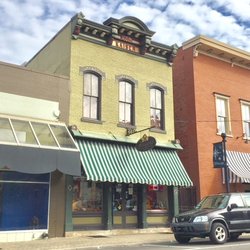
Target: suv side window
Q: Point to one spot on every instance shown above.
(236, 199)
(246, 197)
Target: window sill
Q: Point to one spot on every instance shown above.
(84, 119)
(157, 130)
(128, 126)
(228, 135)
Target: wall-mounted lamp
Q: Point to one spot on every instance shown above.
(176, 141)
(73, 127)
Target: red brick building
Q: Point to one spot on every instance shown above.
(212, 96)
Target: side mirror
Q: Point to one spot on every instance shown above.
(232, 206)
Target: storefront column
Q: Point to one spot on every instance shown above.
(142, 206)
(107, 206)
(57, 205)
(173, 202)
(69, 197)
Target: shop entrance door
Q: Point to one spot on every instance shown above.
(124, 205)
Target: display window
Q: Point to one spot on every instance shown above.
(23, 201)
(157, 198)
(87, 196)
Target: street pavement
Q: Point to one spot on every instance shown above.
(94, 240)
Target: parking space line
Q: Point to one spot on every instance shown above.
(224, 246)
(196, 247)
(169, 246)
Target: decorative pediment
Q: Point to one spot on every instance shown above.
(128, 33)
(129, 24)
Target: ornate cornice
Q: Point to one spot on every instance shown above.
(216, 49)
(128, 34)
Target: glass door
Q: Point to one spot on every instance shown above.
(124, 205)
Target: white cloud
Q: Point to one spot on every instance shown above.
(27, 25)
(145, 13)
(241, 8)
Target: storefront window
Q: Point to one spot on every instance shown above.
(6, 133)
(87, 196)
(157, 198)
(23, 132)
(23, 201)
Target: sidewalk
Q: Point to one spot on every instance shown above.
(94, 240)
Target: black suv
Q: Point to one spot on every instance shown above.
(219, 217)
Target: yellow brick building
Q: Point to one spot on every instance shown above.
(121, 116)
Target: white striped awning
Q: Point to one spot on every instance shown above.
(120, 162)
(239, 167)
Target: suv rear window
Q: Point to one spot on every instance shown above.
(236, 199)
(246, 197)
(216, 201)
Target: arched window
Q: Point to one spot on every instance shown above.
(91, 96)
(126, 102)
(157, 108)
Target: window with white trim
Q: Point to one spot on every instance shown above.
(223, 118)
(126, 102)
(245, 109)
(156, 108)
(91, 96)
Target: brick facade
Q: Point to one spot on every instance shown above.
(197, 75)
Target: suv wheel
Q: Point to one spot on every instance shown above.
(218, 233)
(182, 239)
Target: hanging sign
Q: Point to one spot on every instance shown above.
(145, 143)
(218, 155)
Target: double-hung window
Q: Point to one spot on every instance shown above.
(223, 118)
(91, 96)
(126, 103)
(245, 109)
(156, 108)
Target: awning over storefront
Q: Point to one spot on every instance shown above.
(239, 167)
(37, 147)
(120, 162)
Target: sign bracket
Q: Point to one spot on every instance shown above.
(131, 131)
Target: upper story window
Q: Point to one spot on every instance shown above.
(126, 102)
(91, 96)
(245, 109)
(223, 117)
(157, 108)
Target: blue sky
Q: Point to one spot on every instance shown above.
(27, 25)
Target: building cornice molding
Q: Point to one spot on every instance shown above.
(128, 34)
(216, 49)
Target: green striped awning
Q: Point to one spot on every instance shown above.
(119, 162)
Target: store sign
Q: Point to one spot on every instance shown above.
(145, 143)
(126, 43)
